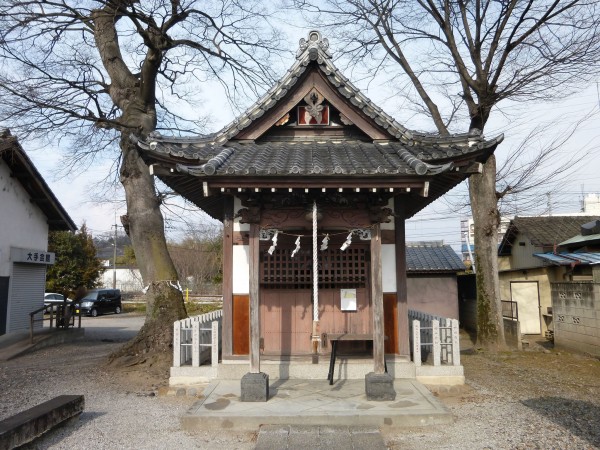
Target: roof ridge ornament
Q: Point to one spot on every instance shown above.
(314, 45)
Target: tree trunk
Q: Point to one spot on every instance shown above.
(164, 302)
(486, 217)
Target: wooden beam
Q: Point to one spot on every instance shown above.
(254, 244)
(377, 301)
(401, 292)
(158, 170)
(355, 184)
(227, 332)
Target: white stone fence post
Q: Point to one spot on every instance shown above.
(434, 334)
(197, 339)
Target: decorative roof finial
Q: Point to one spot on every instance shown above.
(312, 45)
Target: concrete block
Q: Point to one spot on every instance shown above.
(33, 422)
(255, 387)
(379, 387)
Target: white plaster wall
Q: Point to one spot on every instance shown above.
(241, 269)
(388, 267)
(22, 223)
(237, 226)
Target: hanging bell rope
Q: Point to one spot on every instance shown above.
(315, 266)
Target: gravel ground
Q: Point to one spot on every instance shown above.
(538, 399)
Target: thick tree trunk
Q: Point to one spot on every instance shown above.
(484, 206)
(146, 230)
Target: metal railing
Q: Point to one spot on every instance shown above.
(434, 335)
(510, 309)
(197, 339)
(61, 316)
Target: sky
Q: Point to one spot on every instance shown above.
(78, 190)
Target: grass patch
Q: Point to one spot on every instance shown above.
(193, 308)
(134, 308)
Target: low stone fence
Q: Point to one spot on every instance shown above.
(434, 335)
(197, 339)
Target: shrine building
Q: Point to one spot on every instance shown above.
(313, 185)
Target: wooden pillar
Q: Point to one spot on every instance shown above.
(377, 301)
(227, 324)
(254, 299)
(401, 294)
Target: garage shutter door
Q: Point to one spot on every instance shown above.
(27, 287)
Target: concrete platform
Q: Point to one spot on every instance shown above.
(314, 402)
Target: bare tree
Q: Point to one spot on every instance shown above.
(95, 72)
(198, 257)
(463, 58)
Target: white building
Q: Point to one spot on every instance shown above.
(126, 278)
(29, 211)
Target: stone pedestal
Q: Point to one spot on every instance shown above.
(255, 387)
(379, 387)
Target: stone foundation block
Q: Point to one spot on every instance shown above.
(255, 387)
(379, 387)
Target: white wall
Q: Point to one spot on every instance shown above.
(241, 269)
(388, 267)
(128, 280)
(22, 223)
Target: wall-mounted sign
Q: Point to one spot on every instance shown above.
(348, 297)
(32, 256)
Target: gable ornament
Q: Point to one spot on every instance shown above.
(313, 45)
(314, 108)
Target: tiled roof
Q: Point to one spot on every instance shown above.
(315, 49)
(432, 257)
(311, 158)
(543, 231)
(441, 162)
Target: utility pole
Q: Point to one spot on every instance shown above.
(115, 255)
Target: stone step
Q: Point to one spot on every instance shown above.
(274, 437)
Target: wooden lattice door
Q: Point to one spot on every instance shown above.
(286, 296)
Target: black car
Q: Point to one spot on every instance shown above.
(100, 301)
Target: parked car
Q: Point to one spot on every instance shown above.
(101, 301)
(54, 299)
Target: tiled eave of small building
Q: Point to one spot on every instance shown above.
(570, 259)
(432, 257)
(548, 231)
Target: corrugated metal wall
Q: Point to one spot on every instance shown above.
(27, 287)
